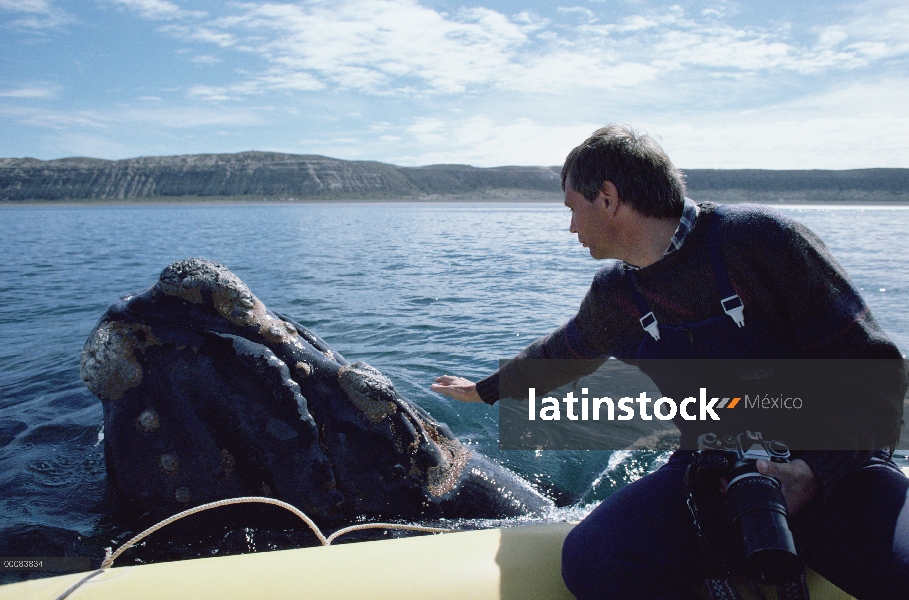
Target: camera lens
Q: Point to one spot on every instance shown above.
(758, 507)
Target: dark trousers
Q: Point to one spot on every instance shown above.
(640, 543)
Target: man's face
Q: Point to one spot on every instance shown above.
(590, 220)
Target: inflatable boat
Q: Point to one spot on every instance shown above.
(515, 563)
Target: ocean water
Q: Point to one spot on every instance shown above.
(414, 289)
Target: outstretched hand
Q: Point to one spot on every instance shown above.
(797, 481)
(457, 388)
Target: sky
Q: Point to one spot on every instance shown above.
(720, 84)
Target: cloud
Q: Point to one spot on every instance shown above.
(54, 119)
(276, 79)
(482, 86)
(400, 47)
(93, 144)
(676, 41)
(256, 87)
(159, 9)
(425, 126)
(205, 60)
(31, 91)
(480, 140)
(28, 6)
(578, 10)
(855, 127)
(36, 16)
(878, 30)
(212, 93)
(143, 115)
(201, 33)
(186, 117)
(485, 140)
(858, 126)
(380, 46)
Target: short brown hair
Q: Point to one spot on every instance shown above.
(642, 173)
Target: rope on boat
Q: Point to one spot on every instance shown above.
(325, 541)
(77, 584)
(400, 526)
(109, 561)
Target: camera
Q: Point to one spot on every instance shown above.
(755, 502)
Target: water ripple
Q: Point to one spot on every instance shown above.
(416, 290)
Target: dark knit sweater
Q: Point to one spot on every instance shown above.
(786, 276)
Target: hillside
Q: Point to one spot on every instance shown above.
(272, 176)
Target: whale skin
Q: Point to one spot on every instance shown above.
(207, 394)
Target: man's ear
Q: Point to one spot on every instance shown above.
(610, 194)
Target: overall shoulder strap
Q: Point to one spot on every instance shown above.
(648, 320)
(730, 301)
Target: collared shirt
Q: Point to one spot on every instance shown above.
(686, 224)
(689, 215)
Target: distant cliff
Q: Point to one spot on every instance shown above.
(259, 175)
(758, 185)
(272, 176)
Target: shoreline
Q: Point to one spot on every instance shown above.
(794, 200)
(263, 177)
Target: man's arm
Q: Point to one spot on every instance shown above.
(804, 284)
(545, 365)
(563, 356)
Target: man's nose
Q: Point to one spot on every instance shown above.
(571, 226)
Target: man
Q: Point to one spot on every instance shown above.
(702, 281)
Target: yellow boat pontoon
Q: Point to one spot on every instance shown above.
(516, 563)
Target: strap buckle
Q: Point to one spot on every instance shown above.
(650, 325)
(735, 308)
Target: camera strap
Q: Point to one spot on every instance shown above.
(794, 590)
(722, 589)
(719, 586)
